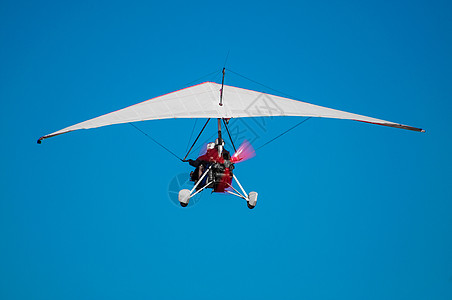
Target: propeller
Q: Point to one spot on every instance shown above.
(244, 152)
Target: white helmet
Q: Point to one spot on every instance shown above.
(210, 146)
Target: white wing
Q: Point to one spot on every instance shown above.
(202, 101)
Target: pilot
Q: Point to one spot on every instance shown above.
(200, 163)
(211, 156)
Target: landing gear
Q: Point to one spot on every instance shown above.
(184, 197)
(211, 180)
(252, 199)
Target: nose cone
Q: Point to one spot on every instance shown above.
(183, 204)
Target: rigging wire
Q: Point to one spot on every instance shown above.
(196, 139)
(214, 73)
(211, 76)
(293, 127)
(261, 84)
(155, 141)
(226, 60)
(226, 126)
(218, 77)
(191, 135)
(266, 86)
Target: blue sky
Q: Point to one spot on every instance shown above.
(346, 210)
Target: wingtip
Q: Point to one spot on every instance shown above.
(422, 130)
(39, 140)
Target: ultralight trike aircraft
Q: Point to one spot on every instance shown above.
(214, 170)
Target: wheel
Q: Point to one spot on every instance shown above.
(184, 197)
(252, 200)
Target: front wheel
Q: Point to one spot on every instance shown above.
(184, 197)
(252, 200)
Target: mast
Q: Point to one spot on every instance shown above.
(220, 140)
(221, 91)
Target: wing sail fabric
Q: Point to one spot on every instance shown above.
(201, 101)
